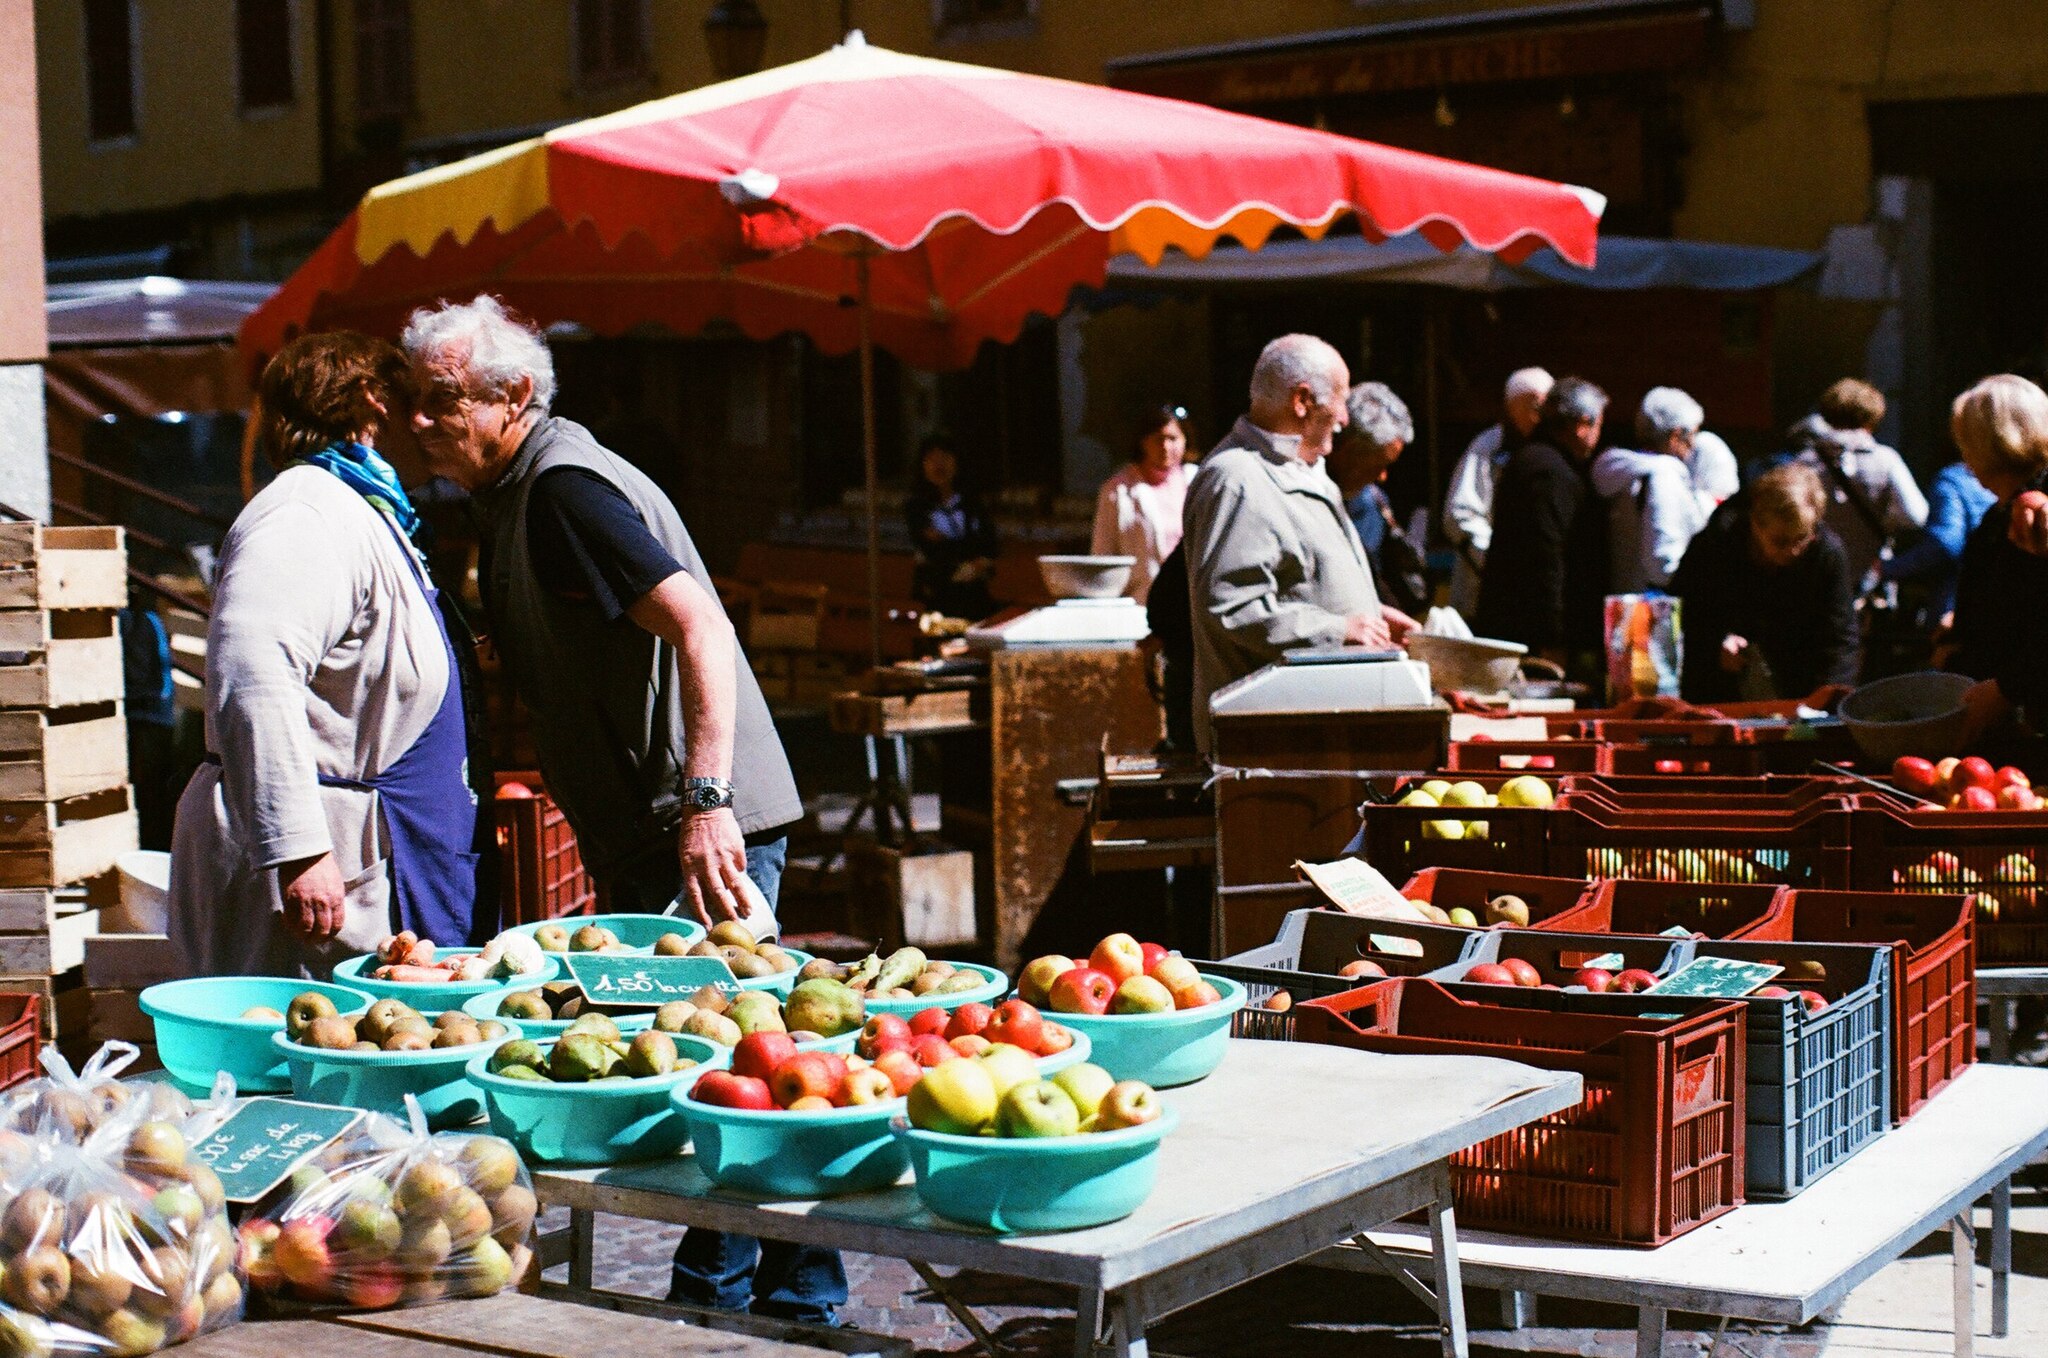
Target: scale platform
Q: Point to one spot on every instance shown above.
(1328, 681)
(1070, 622)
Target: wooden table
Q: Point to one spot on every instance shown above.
(1787, 1262)
(491, 1328)
(1287, 1149)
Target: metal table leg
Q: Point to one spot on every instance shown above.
(1650, 1332)
(1450, 1287)
(582, 1243)
(1517, 1309)
(1127, 1327)
(2001, 1007)
(962, 1312)
(1087, 1322)
(2001, 1258)
(1963, 1240)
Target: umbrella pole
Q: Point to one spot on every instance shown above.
(867, 450)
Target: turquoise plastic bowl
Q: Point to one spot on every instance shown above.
(379, 1081)
(485, 1006)
(200, 1031)
(1052, 1184)
(780, 1154)
(431, 999)
(635, 931)
(782, 982)
(989, 993)
(593, 1124)
(1163, 1050)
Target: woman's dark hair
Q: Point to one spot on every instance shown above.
(1156, 419)
(938, 438)
(1571, 401)
(318, 391)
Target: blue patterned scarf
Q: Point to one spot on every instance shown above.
(364, 471)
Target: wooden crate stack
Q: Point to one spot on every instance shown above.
(66, 810)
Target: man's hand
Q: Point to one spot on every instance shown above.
(714, 859)
(315, 903)
(1399, 624)
(2029, 527)
(1734, 650)
(1366, 629)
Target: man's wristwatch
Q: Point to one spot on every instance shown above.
(706, 794)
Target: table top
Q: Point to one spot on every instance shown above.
(1789, 1261)
(2012, 981)
(1279, 1130)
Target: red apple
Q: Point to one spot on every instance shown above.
(902, 1068)
(931, 1021)
(1813, 1000)
(1196, 995)
(1944, 776)
(1151, 954)
(1910, 773)
(1976, 771)
(1542, 761)
(930, 1049)
(1362, 969)
(883, 1032)
(969, 1044)
(1525, 973)
(2006, 773)
(1975, 797)
(1129, 1103)
(1118, 957)
(1489, 973)
(723, 1089)
(805, 1075)
(1084, 990)
(1053, 1039)
(865, 1086)
(758, 1054)
(968, 1020)
(1595, 979)
(1669, 766)
(1771, 992)
(1174, 972)
(1016, 1023)
(1634, 981)
(2013, 797)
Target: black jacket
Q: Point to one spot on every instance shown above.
(1546, 572)
(932, 579)
(1802, 618)
(2001, 624)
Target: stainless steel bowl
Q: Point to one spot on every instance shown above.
(1086, 577)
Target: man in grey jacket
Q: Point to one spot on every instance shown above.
(1274, 563)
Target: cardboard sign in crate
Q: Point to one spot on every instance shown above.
(48, 756)
(55, 843)
(45, 567)
(1465, 889)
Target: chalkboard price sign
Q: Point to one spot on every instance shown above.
(621, 982)
(1716, 977)
(264, 1140)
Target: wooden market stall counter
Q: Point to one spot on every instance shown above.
(510, 1323)
(1046, 712)
(1287, 1149)
(1787, 1262)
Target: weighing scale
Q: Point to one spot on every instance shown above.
(1335, 680)
(1070, 622)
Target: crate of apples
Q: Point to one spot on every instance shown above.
(1515, 971)
(1119, 976)
(1971, 784)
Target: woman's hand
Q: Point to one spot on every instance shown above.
(1733, 651)
(315, 902)
(1985, 706)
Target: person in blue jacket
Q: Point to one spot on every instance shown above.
(1957, 503)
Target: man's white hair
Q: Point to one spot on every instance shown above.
(1294, 361)
(497, 349)
(1535, 382)
(1379, 416)
(1666, 411)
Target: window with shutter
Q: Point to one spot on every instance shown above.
(263, 53)
(610, 42)
(953, 15)
(109, 69)
(383, 59)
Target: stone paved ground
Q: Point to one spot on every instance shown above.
(1311, 1313)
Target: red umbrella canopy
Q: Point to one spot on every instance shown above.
(978, 197)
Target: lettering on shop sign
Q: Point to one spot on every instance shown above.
(264, 1140)
(1716, 977)
(647, 982)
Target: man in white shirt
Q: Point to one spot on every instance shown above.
(1653, 503)
(1468, 506)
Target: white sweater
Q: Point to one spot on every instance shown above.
(1653, 512)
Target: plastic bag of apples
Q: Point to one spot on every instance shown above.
(393, 1215)
(73, 1104)
(113, 1241)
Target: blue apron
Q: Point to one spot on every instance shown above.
(430, 810)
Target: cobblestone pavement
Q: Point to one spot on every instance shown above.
(1312, 1313)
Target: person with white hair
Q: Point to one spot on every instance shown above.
(1653, 506)
(651, 730)
(1468, 504)
(1273, 562)
(1379, 431)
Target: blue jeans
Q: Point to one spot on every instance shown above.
(738, 1272)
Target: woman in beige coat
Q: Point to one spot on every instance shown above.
(334, 806)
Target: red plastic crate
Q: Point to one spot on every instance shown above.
(1708, 909)
(1999, 858)
(21, 1037)
(1558, 955)
(1463, 888)
(1544, 758)
(542, 869)
(1713, 792)
(1934, 975)
(1653, 1150)
(1802, 848)
(1666, 758)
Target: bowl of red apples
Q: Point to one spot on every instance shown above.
(1148, 1013)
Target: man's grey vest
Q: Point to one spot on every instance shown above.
(607, 697)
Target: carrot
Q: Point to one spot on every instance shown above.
(412, 974)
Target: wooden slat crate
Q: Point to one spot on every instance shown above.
(54, 843)
(128, 961)
(58, 948)
(28, 910)
(116, 1016)
(34, 631)
(44, 567)
(71, 671)
(48, 756)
